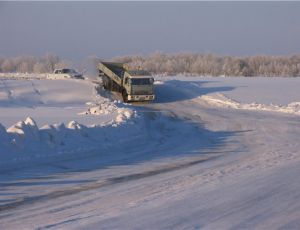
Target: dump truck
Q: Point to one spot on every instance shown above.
(134, 85)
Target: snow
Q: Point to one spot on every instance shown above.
(262, 90)
(68, 112)
(50, 101)
(222, 101)
(255, 93)
(207, 154)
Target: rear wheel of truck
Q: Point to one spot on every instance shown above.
(105, 82)
(125, 96)
(104, 85)
(108, 84)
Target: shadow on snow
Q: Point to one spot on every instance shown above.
(175, 90)
(153, 136)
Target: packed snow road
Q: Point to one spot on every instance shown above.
(187, 164)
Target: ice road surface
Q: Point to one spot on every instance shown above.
(199, 157)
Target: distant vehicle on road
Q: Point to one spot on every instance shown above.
(65, 73)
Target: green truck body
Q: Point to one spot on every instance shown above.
(134, 85)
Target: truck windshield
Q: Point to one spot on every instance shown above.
(141, 81)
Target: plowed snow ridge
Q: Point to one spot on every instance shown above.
(222, 101)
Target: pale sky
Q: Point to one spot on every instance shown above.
(75, 30)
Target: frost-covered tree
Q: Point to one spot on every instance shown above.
(51, 60)
(40, 67)
(161, 63)
(24, 67)
(8, 66)
(63, 64)
(214, 65)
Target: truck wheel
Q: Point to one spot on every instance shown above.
(104, 85)
(105, 82)
(125, 96)
(110, 85)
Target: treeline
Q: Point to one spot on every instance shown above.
(30, 64)
(168, 64)
(214, 65)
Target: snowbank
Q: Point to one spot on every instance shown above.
(19, 76)
(221, 100)
(74, 118)
(25, 141)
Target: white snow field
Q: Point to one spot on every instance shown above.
(209, 153)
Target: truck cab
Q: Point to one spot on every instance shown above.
(138, 85)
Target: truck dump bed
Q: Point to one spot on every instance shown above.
(115, 71)
(118, 69)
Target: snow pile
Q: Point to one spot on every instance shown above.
(108, 107)
(124, 114)
(99, 108)
(220, 100)
(58, 105)
(158, 82)
(25, 141)
(81, 129)
(24, 132)
(27, 128)
(295, 106)
(53, 135)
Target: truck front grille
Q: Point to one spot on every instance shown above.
(141, 93)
